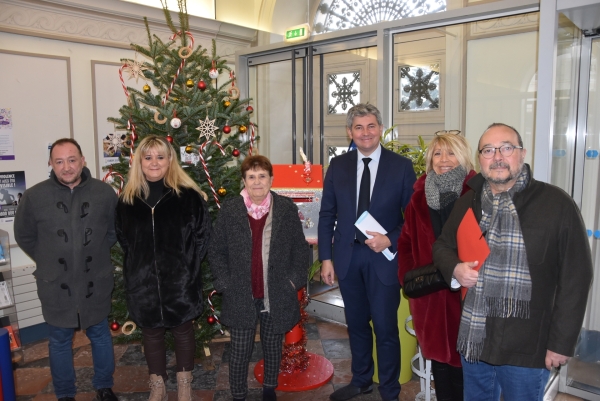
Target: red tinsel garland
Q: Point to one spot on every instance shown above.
(294, 357)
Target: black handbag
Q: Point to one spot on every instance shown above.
(423, 281)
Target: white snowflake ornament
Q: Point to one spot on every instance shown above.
(207, 129)
(136, 69)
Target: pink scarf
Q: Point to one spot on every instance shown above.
(254, 210)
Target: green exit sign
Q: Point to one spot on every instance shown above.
(296, 33)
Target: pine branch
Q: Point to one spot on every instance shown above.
(148, 31)
(167, 13)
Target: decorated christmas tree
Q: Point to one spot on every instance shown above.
(203, 118)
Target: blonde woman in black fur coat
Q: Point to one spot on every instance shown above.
(163, 227)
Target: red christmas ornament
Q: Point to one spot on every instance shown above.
(235, 153)
(202, 85)
(169, 138)
(114, 326)
(249, 109)
(211, 319)
(227, 129)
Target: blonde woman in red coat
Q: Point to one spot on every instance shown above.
(436, 316)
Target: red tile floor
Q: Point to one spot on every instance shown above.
(33, 381)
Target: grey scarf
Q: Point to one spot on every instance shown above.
(443, 189)
(503, 288)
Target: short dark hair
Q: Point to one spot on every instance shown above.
(62, 141)
(493, 125)
(256, 162)
(361, 110)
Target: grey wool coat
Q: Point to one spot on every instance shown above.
(69, 233)
(230, 258)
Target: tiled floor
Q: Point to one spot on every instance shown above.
(33, 381)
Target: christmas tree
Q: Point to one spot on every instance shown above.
(207, 121)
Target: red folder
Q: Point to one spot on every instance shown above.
(471, 243)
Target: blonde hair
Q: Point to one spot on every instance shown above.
(455, 143)
(176, 177)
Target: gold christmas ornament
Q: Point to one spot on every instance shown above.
(189, 83)
(189, 149)
(222, 191)
(146, 88)
(243, 129)
(226, 103)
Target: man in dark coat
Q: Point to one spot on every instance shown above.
(66, 225)
(526, 301)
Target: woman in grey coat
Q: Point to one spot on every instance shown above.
(259, 260)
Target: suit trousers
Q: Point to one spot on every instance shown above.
(242, 343)
(367, 299)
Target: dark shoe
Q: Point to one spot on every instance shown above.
(66, 399)
(269, 394)
(349, 391)
(105, 394)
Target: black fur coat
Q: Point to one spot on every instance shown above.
(163, 251)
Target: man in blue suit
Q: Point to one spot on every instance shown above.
(368, 280)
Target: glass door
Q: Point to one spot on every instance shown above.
(301, 95)
(582, 375)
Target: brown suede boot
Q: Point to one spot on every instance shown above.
(158, 392)
(184, 386)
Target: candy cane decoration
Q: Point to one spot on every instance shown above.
(131, 126)
(181, 65)
(123, 82)
(212, 187)
(251, 139)
(212, 309)
(109, 179)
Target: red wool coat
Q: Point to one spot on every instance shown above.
(436, 317)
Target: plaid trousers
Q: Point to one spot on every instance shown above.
(242, 341)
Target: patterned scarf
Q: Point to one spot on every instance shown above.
(443, 189)
(503, 288)
(254, 210)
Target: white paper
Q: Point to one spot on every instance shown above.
(365, 223)
(5, 299)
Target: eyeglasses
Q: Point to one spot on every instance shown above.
(444, 132)
(505, 150)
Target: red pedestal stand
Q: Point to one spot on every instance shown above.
(299, 370)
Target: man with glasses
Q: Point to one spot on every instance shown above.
(526, 301)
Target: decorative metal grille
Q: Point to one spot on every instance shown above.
(419, 88)
(344, 91)
(334, 15)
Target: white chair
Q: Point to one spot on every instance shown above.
(422, 369)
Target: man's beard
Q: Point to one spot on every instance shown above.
(512, 175)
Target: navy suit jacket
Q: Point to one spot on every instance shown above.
(391, 193)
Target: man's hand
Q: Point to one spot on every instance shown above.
(378, 243)
(554, 360)
(464, 273)
(327, 273)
